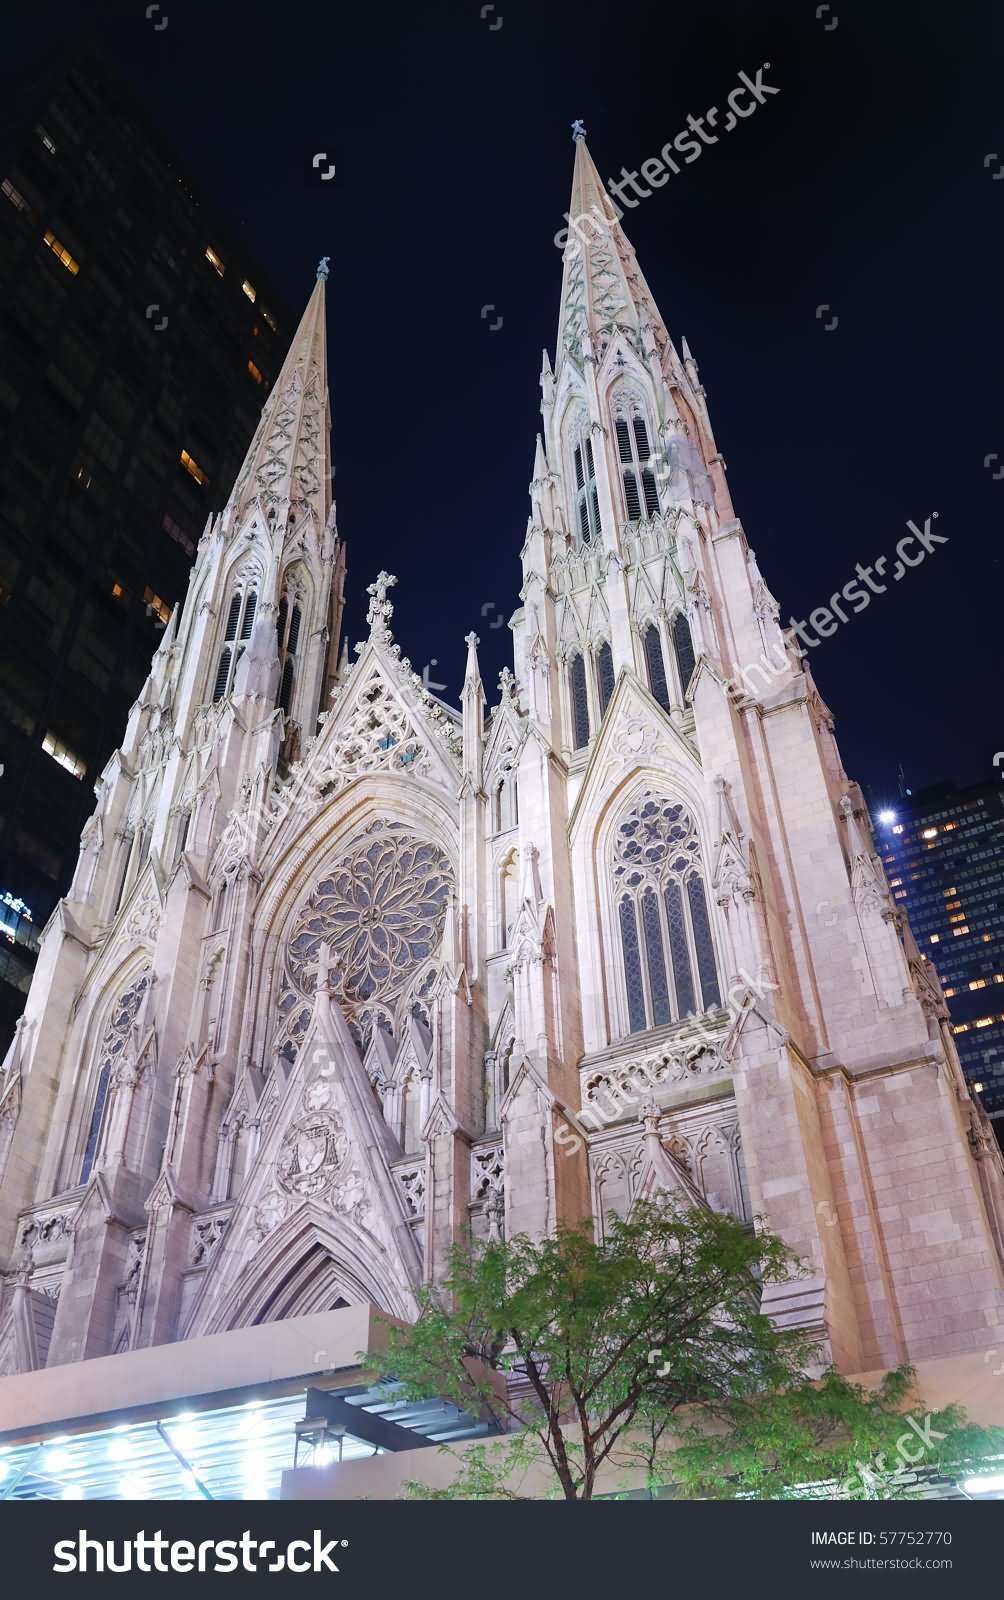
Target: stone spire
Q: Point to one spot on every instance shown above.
(287, 470)
(473, 702)
(603, 286)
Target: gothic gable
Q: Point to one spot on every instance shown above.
(322, 1176)
(636, 733)
(383, 724)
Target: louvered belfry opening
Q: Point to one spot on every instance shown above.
(240, 622)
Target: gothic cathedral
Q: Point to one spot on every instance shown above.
(345, 972)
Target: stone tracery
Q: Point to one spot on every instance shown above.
(381, 909)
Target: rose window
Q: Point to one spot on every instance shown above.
(381, 911)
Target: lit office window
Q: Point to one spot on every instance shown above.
(64, 255)
(15, 196)
(192, 467)
(59, 752)
(155, 604)
(214, 260)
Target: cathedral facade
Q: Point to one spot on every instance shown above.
(346, 973)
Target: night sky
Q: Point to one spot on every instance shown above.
(862, 186)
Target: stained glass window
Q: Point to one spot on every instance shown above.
(658, 987)
(661, 905)
(683, 977)
(604, 675)
(702, 939)
(124, 1014)
(684, 648)
(381, 911)
(657, 680)
(580, 702)
(632, 966)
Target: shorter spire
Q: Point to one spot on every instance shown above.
(473, 702)
(472, 676)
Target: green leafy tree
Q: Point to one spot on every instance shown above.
(647, 1354)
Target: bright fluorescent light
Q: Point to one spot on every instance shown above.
(57, 1460)
(133, 1489)
(73, 1491)
(993, 1483)
(887, 816)
(119, 1450)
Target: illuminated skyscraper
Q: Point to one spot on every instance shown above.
(944, 854)
(138, 340)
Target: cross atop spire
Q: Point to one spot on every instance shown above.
(380, 608)
(578, 129)
(324, 964)
(322, 267)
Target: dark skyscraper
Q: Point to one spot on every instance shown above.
(944, 854)
(138, 340)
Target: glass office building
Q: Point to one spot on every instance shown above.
(944, 855)
(138, 340)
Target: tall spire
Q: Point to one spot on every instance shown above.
(603, 286)
(288, 466)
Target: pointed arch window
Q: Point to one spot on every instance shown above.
(288, 634)
(240, 621)
(124, 1014)
(505, 796)
(683, 648)
(587, 505)
(655, 665)
(634, 452)
(579, 698)
(667, 946)
(604, 675)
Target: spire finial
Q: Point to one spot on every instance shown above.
(578, 130)
(380, 609)
(322, 267)
(472, 673)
